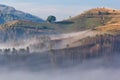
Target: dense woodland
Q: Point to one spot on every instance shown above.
(93, 47)
(99, 46)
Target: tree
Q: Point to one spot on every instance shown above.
(99, 13)
(51, 19)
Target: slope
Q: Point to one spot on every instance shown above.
(92, 18)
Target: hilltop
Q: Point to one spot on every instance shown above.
(93, 18)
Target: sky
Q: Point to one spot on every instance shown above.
(62, 9)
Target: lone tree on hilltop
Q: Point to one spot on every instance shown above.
(51, 19)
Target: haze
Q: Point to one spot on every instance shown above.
(99, 70)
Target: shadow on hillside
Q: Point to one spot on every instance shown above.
(64, 22)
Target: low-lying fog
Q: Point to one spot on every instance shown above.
(70, 74)
(95, 69)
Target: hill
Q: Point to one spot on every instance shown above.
(96, 19)
(92, 18)
(19, 29)
(100, 42)
(87, 20)
(8, 13)
(94, 33)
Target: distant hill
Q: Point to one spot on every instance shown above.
(8, 13)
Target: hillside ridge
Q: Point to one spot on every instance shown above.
(8, 13)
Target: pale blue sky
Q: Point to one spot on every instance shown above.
(62, 9)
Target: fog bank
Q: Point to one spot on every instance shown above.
(93, 69)
(68, 74)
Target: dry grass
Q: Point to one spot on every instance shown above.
(110, 28)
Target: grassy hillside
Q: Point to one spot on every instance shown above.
(27, 25)
(94, 18)
(17, 29)
(101, 20)
(87, 20)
